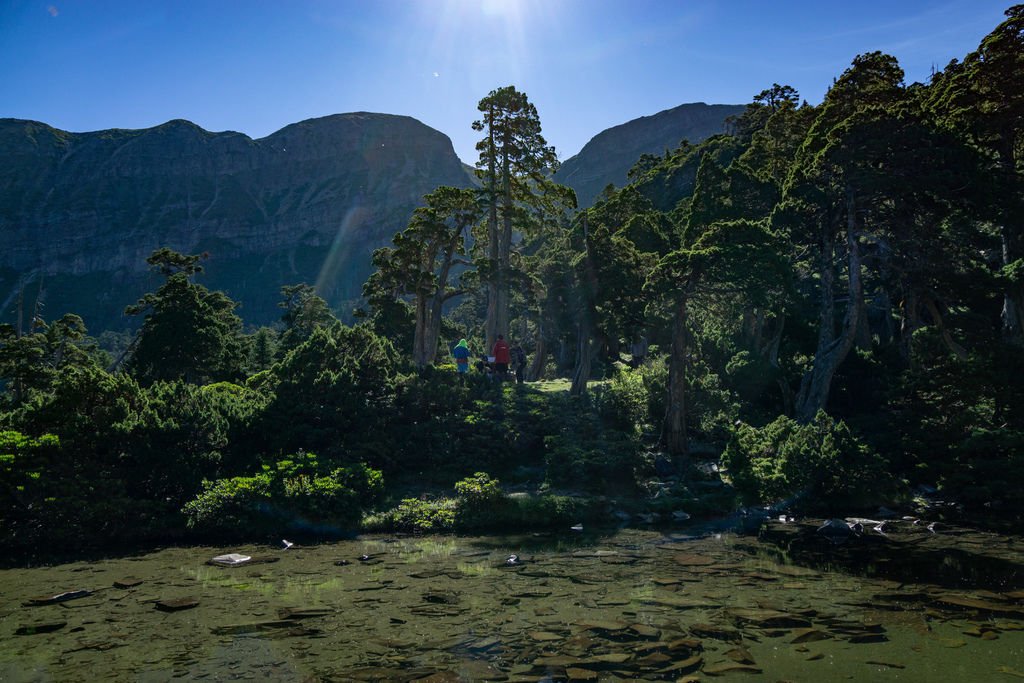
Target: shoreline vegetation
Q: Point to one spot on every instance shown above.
(818, 312)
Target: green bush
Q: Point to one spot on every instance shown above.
(816, 466)
(556, 512)
(480, 500)
(27, 485)
(416, 516)
(333, 393)
(626, 402)
(599, 462)
(479, 491)
(989, 471)
(296, 493)
(713, 408)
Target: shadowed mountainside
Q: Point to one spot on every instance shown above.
(80, 212)
(611, 153)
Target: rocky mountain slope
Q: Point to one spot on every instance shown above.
(80, 212)
(611, 153)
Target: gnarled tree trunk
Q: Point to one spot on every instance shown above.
(674, 428)
(1013, 297)
(832, 349)
(581, 375)
(539, 355)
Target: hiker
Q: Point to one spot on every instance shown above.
(638, 350)
(485, 367)
(461, 355)
(518, 357)
(501, 357)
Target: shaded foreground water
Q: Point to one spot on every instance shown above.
(623, 606)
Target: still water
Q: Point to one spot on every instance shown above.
(627, 605)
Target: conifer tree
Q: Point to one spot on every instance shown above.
(188, 332)
(514, 168)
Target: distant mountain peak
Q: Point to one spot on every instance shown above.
(609, 155)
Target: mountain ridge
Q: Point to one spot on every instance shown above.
(606, 159)
(81, 211)
(277, 208)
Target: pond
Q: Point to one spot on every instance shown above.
(672, 604)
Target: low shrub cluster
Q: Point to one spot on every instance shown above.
(819, 466)
(297, 493)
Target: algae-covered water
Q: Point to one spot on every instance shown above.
(627, 605)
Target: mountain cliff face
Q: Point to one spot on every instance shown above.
(610, 154)
(80, 212)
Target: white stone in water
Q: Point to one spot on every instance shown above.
(231, 559)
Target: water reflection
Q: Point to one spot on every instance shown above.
(620, 606)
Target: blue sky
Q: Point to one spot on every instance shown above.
(257, 66)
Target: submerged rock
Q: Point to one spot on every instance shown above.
(230, 560)
(684, 666)
(729, 668)
(253, 627)
(58, 597)
(808, 635)
(176, 604)
(889, 665)
(693, 560)
(741, 655)
(303, 612)
(716, 632)
(45, 627)
(645, 631)
(768, 618)
(836, 530)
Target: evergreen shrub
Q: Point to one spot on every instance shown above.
(296, 493)
(820, 466)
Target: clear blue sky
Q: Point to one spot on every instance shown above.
(256, 66)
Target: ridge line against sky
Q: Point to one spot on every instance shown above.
(588, 65)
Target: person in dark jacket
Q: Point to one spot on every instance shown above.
(518, 357)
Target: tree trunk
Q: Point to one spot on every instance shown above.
(425, 341)
(1013, 298)
(770, 353)
(432, 330)
(886, 330)
(863, 339)
(674, 429)
(21, 312)
(585, 350)
(564, 355)
(581, 375)
(419, 355)
(504, 235)
(910, 322)
(537, 367)
(493, 244)
(832, 350)
(757, 331)
(947, 338)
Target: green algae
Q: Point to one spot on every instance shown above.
(403, 609)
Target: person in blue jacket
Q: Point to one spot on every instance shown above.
(461, 355)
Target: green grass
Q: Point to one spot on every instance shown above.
(562, 384)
